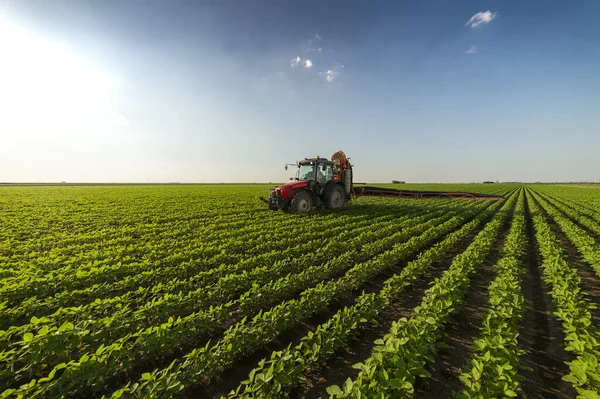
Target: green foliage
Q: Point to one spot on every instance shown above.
(337, 331)
(146, 291)
(400, 357)
(573, 306)
(494, 365)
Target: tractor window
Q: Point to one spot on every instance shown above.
(329, 173)
(323, 176)
(306, 172)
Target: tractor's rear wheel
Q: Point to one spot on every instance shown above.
(336, 198)
(301, 203)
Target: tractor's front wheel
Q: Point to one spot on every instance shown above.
(301, 203)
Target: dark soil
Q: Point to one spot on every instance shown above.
(591, 233)
(462, 329)
(232, 377)
(541, 336)
(224, 383)
(338, 368)
(585, 210)
(590, 282)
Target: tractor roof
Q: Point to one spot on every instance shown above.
(308, 161)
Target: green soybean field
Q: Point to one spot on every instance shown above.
(200, 291)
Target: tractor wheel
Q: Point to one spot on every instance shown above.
(336, 198)
(301, 203)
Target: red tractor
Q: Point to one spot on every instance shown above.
(320, 182)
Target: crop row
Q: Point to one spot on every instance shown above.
(144, 278)
(173, 285)
(66, 343)
(217, 233)
(587, 205)
(585, 244)
(494, 365)
(17, 289)
(247, 336)
(577, 212)
(52, 252)
(51, 255)
(156, 342)
(60, 245)
(73, 211)
(399, 358)
(572, 309)
(285, 368)
(200, 358)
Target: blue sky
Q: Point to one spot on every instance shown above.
(210, 91)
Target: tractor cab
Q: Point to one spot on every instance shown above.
(319, 170)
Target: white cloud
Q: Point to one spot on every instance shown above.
(295, 61)
(308, 64)
(330, 75)
(482, 17)
(471, 50)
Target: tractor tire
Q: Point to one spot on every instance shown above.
(301, 203)
(336, 198)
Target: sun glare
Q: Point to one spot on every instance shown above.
(45, 86)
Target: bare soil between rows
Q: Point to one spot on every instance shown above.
(337, 369)
(463, 328)
(540, 335)
(590, 282)
(231, 378)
